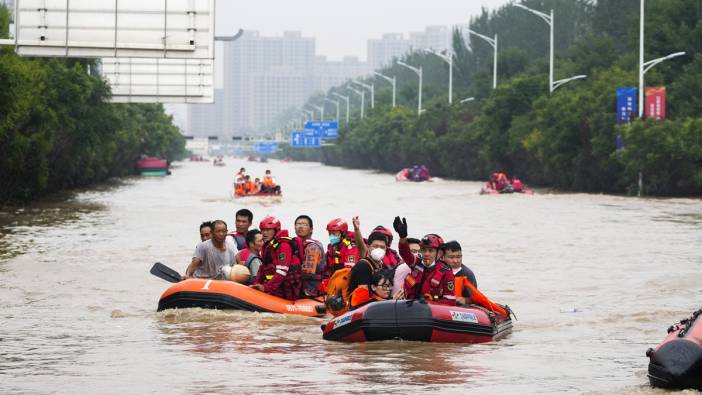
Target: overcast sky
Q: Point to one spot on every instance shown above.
(343, 27)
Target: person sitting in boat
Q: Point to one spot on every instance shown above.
(391, 259)
(430, 278)
(250, 186)
(258, 183)
(280, 274)
(211, 255)
(242, 222)
(402, 270)
(372, 262)
(311, 255)
(268, 184)
(205, 230)
(517, 185)
(452, 255)
(341, 251)
(380, 286)
(251, 256)
(239, 178)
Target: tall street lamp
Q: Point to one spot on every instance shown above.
(363, 99)
(552, 85)
(337, 106)
(448, 58)
(417, 71)
(371, 88)
(645, 66)
(321, 111)
(391, 80)
(493, 43)
(348, 105)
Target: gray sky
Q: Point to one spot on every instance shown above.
(343, 27)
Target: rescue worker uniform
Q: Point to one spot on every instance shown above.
(312, 258)
(280, 274)
(340, 255)
(435, 282)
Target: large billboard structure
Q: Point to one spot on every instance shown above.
(115, 28)
(143, 80)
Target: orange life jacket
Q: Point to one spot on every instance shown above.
(250, 187)
(268, 181)
(477, 296)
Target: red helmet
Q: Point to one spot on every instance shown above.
(338, 224)
(383, 231)
(270, 222)
(431, 240)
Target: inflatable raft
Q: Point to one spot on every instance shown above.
(221, 294)
(676, 363)
(258, 194)
(417, 320)
(488, 190)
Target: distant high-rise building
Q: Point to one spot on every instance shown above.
(382, 51)
(333, 73)
(207, 119)
(263, 77)
(437, 38)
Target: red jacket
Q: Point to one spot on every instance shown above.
(391, 259)
(280, 272)
(340, 255)
(436, 283)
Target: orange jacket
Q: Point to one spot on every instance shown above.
(476, 296)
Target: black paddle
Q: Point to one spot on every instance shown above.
(162, 271)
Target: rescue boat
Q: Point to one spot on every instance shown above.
(152, 166)
(221, 294)
(488, 190)
(676, 363)
(257, 194)
(417, 320)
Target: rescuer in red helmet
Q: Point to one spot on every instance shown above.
(430, 277)
(280, 274)
(341, 251)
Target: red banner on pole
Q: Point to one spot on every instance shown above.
(655, 102)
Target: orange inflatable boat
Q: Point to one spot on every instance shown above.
(221, 294)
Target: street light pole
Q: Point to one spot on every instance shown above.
(548, 18)
(337, 106)
(348, 105)
(493, 43)
(418, 71)
(448, 59)
(371, 88)
(363, 99)
(321, 111)
(391, 80)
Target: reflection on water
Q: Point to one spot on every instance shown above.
(595, 280)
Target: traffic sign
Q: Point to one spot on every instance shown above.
(266, 148)
(303, 139)
(324, 129)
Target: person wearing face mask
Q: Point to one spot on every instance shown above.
(341, 251)
(430, 277)
(362, 273)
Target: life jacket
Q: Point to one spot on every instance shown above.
(335, 253)
(268, 181)
(517, 185)
(433, 283)
(291, 286)
(362, 296)
(240, 189)
(391, 259)
(246, 258)
(250, 187)
(239, 239)
(312, 268)
(476, 296)
(338, 297)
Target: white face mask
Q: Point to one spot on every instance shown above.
(377, 254)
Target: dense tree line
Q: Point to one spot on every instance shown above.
(565, 139)
(58, 131)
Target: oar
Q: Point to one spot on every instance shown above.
(162, 271)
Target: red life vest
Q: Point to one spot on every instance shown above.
(340, 255)
(283, 266)
(435, 283)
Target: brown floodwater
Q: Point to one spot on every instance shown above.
(594, 280)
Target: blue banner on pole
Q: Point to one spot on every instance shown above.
(627, 105)
(266, 148)
(304, 139)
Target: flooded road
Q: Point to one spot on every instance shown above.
(594, 280)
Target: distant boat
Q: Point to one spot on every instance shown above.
(151, 166)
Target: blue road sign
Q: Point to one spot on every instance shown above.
(266, 148)
(323, 129)
(302, 139)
